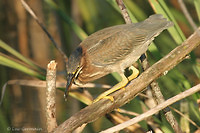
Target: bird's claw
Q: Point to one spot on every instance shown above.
(104, 97)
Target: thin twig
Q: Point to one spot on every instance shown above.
(126, 17)
(123, 96)
(159, 98)
(3, 93)
(149, 122)
(118, 118)
(126, 112)
(186, 117)
(40, 83)
(26, 6)
(124, 11)
(154, 110)
(51, 96)
(187, 14)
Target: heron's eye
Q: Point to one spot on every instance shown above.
(74, 72)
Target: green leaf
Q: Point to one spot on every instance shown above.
(160, 7)
(19, 56)
(80, 33)
(197, 6)
(13, 63)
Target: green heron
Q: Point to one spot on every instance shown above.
(113, 49)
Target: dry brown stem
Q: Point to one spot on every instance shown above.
(51, 96)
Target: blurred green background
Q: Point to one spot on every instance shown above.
(25, 52)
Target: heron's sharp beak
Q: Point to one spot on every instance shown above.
(70, 80)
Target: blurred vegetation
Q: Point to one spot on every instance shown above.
(25, 51)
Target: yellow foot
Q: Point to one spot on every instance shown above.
(118, 86)
(135, 73)
(101, 97)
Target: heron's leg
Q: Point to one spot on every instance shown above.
(118, 86)
(135, 73)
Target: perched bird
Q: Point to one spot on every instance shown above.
(113, 49)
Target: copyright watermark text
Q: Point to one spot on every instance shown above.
(24, 129)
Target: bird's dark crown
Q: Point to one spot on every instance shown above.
(73, 63)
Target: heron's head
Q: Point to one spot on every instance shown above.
(73, 68)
